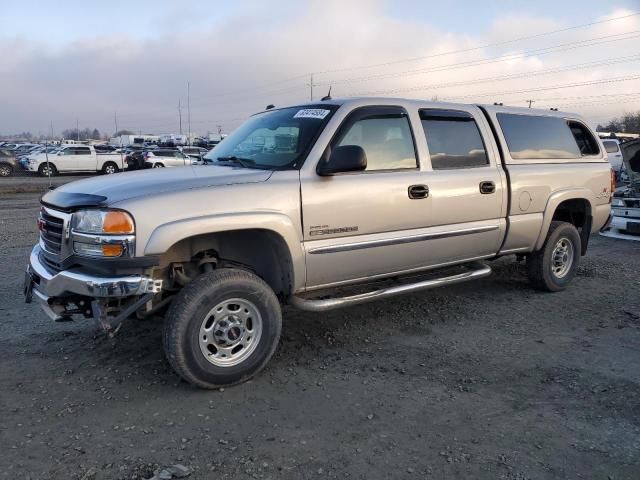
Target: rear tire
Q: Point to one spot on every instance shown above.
(158, 165)
(222, 328)
(553, 267)
(47, 170)
(6, 170)
(110, 168)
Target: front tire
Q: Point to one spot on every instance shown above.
(553, 267)
(47, 170)
(222, 328)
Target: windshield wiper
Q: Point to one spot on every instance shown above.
(244, 162)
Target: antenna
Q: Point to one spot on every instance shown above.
(327, 96)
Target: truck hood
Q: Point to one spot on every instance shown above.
(109, 189)
(631, 159)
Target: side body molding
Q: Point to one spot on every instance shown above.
(166, 235)
(556, 199)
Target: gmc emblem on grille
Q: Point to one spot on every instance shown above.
(42, 225)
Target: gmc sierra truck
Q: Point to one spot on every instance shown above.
(319, 206)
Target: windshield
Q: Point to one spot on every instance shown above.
(273, 139)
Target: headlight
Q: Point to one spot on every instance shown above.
(114, 222)
(103, 233)
(617, 202)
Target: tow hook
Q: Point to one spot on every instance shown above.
(111, 325)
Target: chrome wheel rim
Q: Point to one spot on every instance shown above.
(109, 169)
(47, 171)
(230, 332)
(5, 171)
(562, 258)
(157, 165)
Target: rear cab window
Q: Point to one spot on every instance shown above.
(538, 137)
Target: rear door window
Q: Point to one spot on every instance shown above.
(610, 146)
(538, 137)
(82, 151)
(454, 139)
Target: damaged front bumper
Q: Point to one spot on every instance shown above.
(87, 293)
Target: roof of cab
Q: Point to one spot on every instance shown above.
(418, 103)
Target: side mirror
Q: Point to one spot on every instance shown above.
(347, 158)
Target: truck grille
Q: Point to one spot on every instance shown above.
(51, 231)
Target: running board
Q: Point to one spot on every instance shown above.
(479, 270)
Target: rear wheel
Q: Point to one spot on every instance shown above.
(556, 263)
(158, 165)
(47, 170)
(222, 328)
(110, 168)
(5, 170)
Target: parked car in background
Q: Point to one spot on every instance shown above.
(164, 157)
(8, 163)
(74, 158)
(134, 160)
(612, 146)
(626, 200)
(196, 153)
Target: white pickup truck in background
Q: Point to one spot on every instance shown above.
(74, 158)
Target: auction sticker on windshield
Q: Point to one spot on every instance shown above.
(318, 113)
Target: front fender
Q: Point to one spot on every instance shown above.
(168, 234)
(556, 199)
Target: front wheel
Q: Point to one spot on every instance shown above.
(222, 328)
(47, 170)
(553, 266)
(158, 165)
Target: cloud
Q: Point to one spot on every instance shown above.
(237, 63)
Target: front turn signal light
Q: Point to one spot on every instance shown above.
(117, 222)
(112, 250)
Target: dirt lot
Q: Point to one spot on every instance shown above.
(488, 380)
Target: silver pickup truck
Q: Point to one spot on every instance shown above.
(319, 206)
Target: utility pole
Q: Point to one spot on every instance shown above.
(51, 130)
(115, 120)
(180, 116)
(77, 130)
(530, 102)
(189, 110)
(311, 85)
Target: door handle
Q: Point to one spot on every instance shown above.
(418, 191)
(487, 188)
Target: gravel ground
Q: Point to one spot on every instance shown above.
(486, 380)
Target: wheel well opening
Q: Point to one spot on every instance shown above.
(576, 211)
(262, 252)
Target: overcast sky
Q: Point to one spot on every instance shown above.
(65, 60)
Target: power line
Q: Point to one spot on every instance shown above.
(555, 87)
(496, 59)
(509, 76)
(471, 49)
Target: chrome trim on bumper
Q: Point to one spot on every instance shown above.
(72, 281)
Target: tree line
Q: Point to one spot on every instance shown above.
(628, 123)
(68, 134)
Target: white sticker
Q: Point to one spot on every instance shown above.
(318, 113)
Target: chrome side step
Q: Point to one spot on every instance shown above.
(479, 270)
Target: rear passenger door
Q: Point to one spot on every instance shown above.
(466, 185)
(84, 160)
